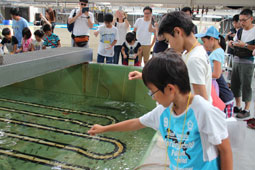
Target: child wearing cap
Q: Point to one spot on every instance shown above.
(215, 43)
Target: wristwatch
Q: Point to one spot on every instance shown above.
(246, 46)
(88, 17)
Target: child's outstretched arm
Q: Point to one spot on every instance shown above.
(59, 44)
(123, 52)
(128, 125)
(140, 50)
(226, 158)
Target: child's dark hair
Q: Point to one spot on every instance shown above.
(46, 28)
(6, 31)
(222, 41)
(14, 11)
(131, 36)
(147, 8)
(185, 9)
(26, 33)
(167, 68)
(246, 12)
(108, 17)
(176, 19)
(235, 18)
(39, 33)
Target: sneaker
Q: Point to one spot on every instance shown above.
(237, 109)
(243, 114)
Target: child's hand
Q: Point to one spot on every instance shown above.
(110, 47)
(96, 129)
(96, 33)
(125, 56)
(134, 75)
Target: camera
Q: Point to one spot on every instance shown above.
(152, 21)
(85, 9)
(37, 17)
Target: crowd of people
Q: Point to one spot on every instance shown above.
(22, 40)
(186, 80)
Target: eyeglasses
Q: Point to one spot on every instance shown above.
(83, 4)
(146, 13)
(150, 93)
(244, 20)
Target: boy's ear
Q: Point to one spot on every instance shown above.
(178, 31)
(170, 87)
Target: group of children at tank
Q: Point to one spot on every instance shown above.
(130, 49)
(195, 131)
(44, 38)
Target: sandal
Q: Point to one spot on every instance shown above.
(251, 121)
(252, 126)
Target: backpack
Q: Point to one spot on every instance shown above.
(70, 26)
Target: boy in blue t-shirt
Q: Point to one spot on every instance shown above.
(194, 131)
(51, 39)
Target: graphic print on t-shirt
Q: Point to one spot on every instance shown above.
(107, 39)
(174, 138)
(184, 146)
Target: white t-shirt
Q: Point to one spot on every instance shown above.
(122, 32)
(37, 45)
(142, 34)
(205, 127)
(247, 36)
(199, 69)
(107, 36)
(81, 23)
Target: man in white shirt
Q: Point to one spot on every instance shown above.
(243, 66)
(144, 33)
(83, 20)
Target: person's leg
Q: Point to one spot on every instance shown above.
(247, 73)
(146, 54)
(236, 85)
(117, 50)
(141, 56)
(122, 58)
(109, 60)
(100, 58)
(72, 42)
(246, 79)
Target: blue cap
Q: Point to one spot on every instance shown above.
(211, 32)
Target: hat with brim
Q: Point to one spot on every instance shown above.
(211, 32)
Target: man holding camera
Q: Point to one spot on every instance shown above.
(83, 20)
(243, 67)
